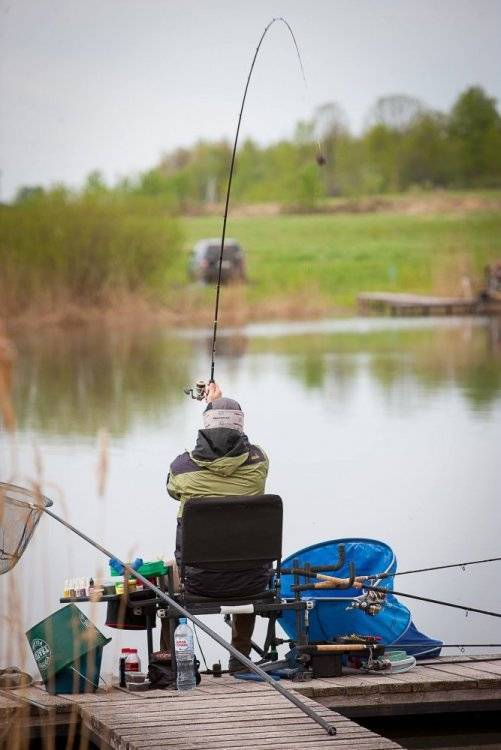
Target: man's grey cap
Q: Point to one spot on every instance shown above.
(224, 412)
(225, 403)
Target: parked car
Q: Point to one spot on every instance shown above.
(204, 261)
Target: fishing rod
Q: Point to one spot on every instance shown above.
(198, 390)
(181, 611)
(464, 607)
(447, 645)
(435, 567)
(320, 161)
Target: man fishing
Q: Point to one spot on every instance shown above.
(222, 463)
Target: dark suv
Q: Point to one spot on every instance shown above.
(204, 261)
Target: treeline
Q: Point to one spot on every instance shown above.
(404, 145)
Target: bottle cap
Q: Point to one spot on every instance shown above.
(182, 620)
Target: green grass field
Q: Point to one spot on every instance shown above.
(67, 256)
(337, 256)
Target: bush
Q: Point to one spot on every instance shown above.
(86, 249)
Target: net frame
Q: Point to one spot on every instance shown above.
(20, 512)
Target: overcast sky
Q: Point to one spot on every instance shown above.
(111, 84)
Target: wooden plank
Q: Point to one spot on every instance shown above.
(7, 707)
(308, 743)
(41, 701)
(244, 733)
(241, 732)
(102, 698)
(493, 668)
(201, 703)
(356, 685)
(211, 719)
(378, 743)
(438, 701)
(480, 678)
(216, 723)
(423, 679)
(313, 739)
(176, 708)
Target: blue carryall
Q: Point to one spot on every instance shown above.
(332, 615)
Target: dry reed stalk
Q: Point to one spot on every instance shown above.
(102, 461)
(7, 359)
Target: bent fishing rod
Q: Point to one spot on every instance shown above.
(182, 612)
(320, 160)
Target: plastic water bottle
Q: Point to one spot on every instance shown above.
(185, 655)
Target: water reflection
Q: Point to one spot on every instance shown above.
(466, 356)
(76, 383)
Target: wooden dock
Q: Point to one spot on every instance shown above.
(221, 714)
(225, 713)
(387, 303)
(446, 684)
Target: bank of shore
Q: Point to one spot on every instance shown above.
(301, 266)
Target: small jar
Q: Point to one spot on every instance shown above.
(132, 661)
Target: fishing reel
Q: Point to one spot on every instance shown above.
(371, 603)
(372, 660)
(197, 391)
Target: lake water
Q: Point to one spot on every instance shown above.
(386, 428)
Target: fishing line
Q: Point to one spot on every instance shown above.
(199, 646)
(320, 161)
(435, 567)
(464, 607)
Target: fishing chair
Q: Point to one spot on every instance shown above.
(224, 534)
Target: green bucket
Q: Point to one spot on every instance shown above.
(68, 649)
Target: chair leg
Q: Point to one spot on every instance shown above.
(270, 643)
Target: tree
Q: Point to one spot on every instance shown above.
(28, 192)
(95, 182)
(474, 120)
(390, 119)
(396, 112)
(426, 157)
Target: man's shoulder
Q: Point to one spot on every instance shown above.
(183, 464)
(256, 456)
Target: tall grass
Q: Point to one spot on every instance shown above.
(332, 258)
(88, 249)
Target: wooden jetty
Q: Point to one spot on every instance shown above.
(414, 304)
(225, 713)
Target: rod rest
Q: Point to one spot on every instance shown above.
(319, 568)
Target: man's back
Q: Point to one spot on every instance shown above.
(223, 463)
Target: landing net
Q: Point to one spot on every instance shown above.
(20, 511)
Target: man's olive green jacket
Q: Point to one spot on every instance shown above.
(223, 463)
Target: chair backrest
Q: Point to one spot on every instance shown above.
(231, 533)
